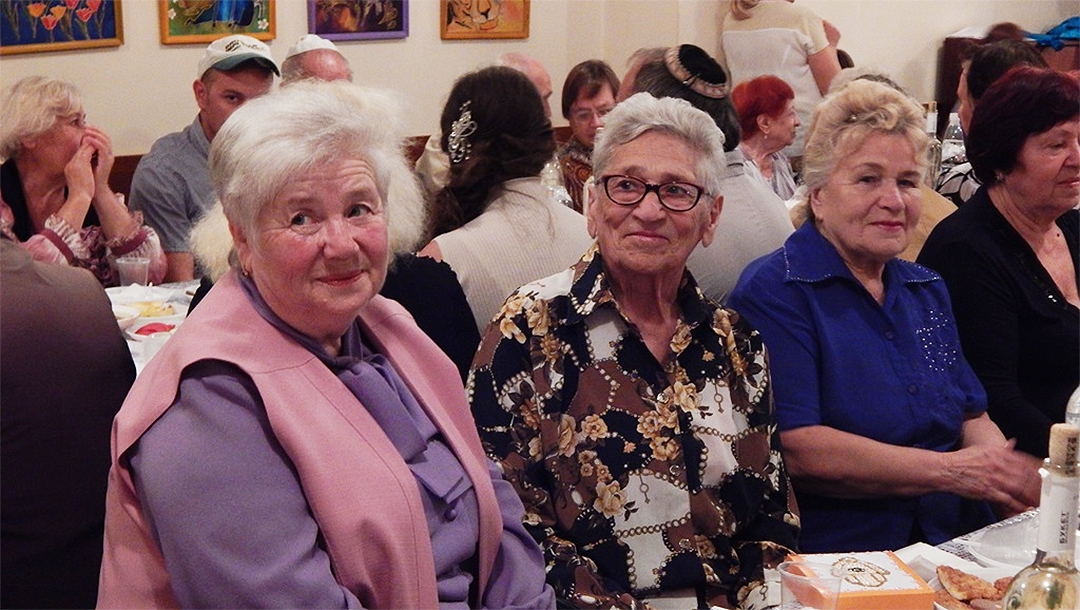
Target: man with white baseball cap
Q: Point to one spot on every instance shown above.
(171, 185)
(314, 57)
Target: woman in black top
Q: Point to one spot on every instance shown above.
(1009, 255)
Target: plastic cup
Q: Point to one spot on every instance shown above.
(811, 586)
(133, 270)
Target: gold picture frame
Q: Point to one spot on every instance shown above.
(35, 26)
(199, 21)
(483, 19)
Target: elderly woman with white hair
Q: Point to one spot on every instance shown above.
(883, 422)
(300, 442)
(54, 184)
(633, 414)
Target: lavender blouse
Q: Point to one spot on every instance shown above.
(237, 531)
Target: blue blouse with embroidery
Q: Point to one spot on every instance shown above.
(892, 372)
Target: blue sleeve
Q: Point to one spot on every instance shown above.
(157, 192)
(781, 314)
(517, 579)
(225, 504)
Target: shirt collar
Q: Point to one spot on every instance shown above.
(352, 347)
(810, 258)
(590, 290)
(198, 137)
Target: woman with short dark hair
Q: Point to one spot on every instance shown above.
(1009, 255)
(587, 95)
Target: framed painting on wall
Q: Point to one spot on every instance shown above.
(31, 26)
(197, 21)
(358, 19)
(473, 19)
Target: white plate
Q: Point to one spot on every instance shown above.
(125, 316)
(143, 322)
(134, 292)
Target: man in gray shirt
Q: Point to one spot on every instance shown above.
(171, 185)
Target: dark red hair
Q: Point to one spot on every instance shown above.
(765, 95)
(1024, 102)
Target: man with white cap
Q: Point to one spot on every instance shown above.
(171, 185)
(314, 57)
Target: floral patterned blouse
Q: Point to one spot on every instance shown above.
(575, 161)
(637, 478)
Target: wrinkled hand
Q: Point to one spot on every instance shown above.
(99, 141)
(999, 474)
(79, 173)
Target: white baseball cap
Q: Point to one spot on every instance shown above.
(310, 42)
(228, 52)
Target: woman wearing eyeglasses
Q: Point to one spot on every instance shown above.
(587, 95)
(632, 414)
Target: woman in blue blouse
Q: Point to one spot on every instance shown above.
(882, 421)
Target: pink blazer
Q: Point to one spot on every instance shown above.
(361, 492)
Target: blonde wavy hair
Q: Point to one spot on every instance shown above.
(740, 9)
(844, 120)
(30, 108)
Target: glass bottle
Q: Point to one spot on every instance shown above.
(953, 152)
(1072, 409)
(933, 167)
(1052, 581)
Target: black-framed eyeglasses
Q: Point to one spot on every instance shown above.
(628, 190)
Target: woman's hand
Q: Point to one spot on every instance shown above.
(102, 145)
(79, 176)
(999, 474)
(116, 221)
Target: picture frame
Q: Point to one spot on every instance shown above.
(483, 19)
(34, 26)
(358, 19)
(202, 21)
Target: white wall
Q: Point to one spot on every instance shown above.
(142, 89)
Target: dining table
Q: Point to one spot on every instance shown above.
(146, 334)
(997, 550)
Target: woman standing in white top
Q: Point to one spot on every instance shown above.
(786, 40)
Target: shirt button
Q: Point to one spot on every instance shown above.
(450, 514)
(890, 335)
(913, 389)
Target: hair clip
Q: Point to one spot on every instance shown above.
(460, 130)
(695, 80)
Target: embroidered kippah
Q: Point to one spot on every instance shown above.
(693, 67)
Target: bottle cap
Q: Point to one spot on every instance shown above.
(1064, 446)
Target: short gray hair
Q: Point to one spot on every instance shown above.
(272, 139)
(31, 107)
(641, 113)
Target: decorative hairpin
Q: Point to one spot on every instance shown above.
(460, 130)
(692, 80)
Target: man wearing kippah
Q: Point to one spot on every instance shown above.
(314, 57)
(171, 185)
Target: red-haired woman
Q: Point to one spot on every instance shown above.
(768, 121)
